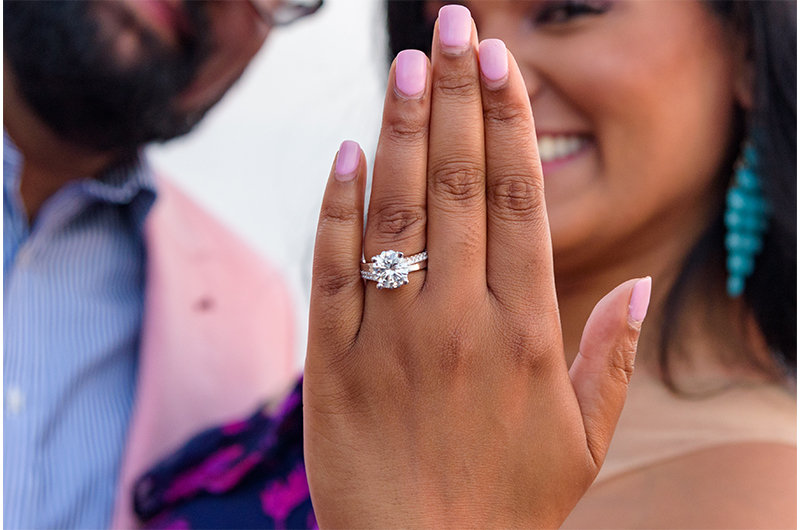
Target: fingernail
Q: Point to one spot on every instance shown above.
(640, 299)
(455, 27)
(411, 73)
(347, 161)
(494, 62)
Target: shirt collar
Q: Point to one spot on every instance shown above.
(131, 181)
(123, 182)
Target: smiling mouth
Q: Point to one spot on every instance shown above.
(556, 148)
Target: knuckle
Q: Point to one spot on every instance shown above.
(458, 179)
(331, 280)
(622, 359)
(515, 197)
(338, 213)
(464, 87)
(403, 128)
(392, 222)
(526, 351)
(508, 113)
(529, 344)
(452, 350)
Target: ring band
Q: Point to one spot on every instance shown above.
(390, 268)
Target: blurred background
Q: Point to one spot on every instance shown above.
(260, 159)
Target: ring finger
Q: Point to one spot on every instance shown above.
(396, 218)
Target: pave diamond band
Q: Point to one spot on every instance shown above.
(390, 268)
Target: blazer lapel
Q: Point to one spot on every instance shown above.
(216, 337)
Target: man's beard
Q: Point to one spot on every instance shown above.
(67, 73)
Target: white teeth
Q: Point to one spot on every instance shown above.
(561, 146)
(556, 147)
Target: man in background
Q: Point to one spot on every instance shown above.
(131, 318)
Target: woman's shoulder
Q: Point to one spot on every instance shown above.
(739, 485)
(725, 459)
(659, 425)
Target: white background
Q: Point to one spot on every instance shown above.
(260, 159)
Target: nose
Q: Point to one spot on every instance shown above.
(533, 79)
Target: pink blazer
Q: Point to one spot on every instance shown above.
(216, 336)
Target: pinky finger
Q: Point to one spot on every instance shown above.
(337, 291)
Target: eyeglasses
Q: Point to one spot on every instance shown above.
(283, 12)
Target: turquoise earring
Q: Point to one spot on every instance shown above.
(746, 220)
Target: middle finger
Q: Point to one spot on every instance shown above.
(456, 159)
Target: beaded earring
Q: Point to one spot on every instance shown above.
(746, 220)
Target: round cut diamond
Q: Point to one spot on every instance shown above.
(391, 269)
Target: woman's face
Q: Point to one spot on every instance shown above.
(634, 103)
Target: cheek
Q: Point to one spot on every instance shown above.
(660, 101)
(662, 110)
(237, 35)
(237, 30)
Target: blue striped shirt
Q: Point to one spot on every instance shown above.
(72, 312)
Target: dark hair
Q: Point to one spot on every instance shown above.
(65, 69)
(771, 291)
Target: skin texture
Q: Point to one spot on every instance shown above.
(417, 383)
(397, 424)
(737, 486)
(50, 162)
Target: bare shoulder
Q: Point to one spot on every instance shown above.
(742, 485)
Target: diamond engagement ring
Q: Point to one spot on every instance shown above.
(390, 268)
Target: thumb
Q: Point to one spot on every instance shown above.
(603, 367)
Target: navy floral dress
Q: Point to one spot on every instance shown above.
(247, 474)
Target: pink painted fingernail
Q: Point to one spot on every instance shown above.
(455, 27)
(411, 73)
(347, 161)
(494, 61)
(640, 299)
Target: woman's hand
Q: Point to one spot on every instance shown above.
(447, 402)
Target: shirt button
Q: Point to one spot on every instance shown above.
(15, 400)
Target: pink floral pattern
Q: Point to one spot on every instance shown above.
(281, 496)
(245, 474)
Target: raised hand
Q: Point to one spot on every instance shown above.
(447, 402)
